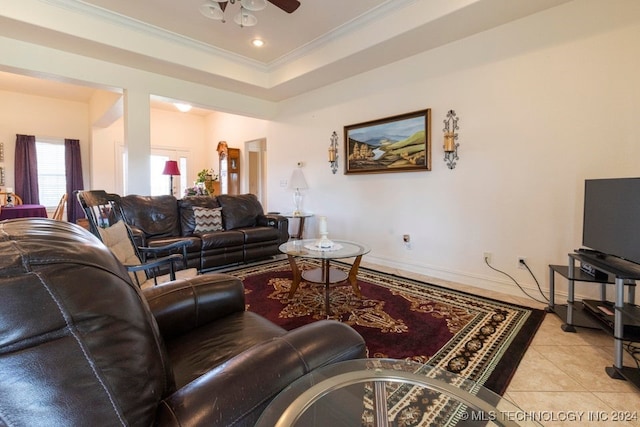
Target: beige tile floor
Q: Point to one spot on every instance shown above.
(561, 381)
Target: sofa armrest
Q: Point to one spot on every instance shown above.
(276, 221)
(237, 392)
(183, 305)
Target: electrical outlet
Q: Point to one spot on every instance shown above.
(486, 257)
(521, 262)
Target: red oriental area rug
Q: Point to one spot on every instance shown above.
(477, 338)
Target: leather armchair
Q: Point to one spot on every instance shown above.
(80, 344)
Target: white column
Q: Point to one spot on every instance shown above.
(137, 136)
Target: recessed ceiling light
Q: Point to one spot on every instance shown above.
(257, 42)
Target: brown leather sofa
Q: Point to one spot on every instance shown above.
(248, 233)
(81, 345)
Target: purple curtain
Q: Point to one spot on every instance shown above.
(73, 171)
(26, 169)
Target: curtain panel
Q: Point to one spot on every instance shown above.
(26, 169)
(73, 171)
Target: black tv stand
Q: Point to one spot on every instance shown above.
(591, 252)
(604, 312)
(619, 318)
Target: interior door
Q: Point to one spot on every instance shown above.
(257, 168)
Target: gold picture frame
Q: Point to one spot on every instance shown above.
(399, 143)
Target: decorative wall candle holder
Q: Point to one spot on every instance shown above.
(333, 153)
(450, 137)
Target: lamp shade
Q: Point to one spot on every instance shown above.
(171, 168)
(212, 10)
(297, 180)
(245, 19)
(254, 5)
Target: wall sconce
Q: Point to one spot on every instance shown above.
(450, 137)
(333, 152)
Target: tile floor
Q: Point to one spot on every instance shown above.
(561, 380)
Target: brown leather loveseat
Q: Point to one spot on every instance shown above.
(248, 234)
(81, 345)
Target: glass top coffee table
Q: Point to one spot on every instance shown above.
(324, 275)
(383, 392)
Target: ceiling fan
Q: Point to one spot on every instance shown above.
(288, 6)
(214, 9)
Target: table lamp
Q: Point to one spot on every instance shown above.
(171, 169)
(298, 183)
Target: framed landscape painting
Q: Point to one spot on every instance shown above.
(395, 144)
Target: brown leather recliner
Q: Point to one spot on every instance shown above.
(81, 345)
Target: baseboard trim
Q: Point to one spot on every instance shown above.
(463, 278)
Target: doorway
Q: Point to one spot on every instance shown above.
(257, 169)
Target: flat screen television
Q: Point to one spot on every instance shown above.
(612, 217)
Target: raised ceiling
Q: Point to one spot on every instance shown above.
(282, 33)
(322, 42)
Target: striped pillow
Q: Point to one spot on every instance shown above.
(207, 219)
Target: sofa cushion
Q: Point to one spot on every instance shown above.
(222, 239)
(186, 205)
(155, 216)
(239, 211)
(207, 219)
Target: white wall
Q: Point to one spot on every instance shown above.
(43, 117)
(235, 130)
(168, 130)
(544, 103)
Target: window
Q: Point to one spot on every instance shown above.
(52, 181)
(160, 182)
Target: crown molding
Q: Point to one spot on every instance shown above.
(379, 12)
(80, 7)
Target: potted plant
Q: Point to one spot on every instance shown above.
(204, 184)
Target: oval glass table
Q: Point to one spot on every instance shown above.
(385, 392)
(325, 275)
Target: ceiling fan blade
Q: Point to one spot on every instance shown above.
(288, 6)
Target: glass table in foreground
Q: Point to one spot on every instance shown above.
(325, 275)
(383, 392)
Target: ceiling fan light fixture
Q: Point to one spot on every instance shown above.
(245, 19)
(254, 5)
(212, 11)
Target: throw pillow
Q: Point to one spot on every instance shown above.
(207, 219)
(116, 238)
